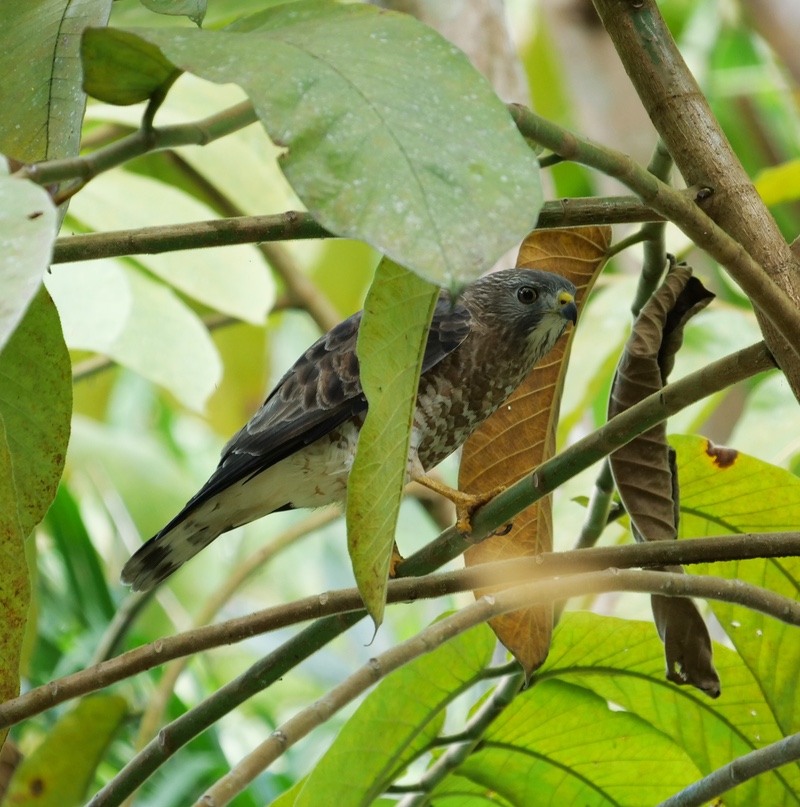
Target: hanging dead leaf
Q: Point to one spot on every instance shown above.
(644, 469)
(521, 435)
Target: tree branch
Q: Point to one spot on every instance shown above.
(524, 596)
(620, 430)
(682, 116)
(295, 225)
(197, 133)
(657, 553)
(709, 788)
(678, 208)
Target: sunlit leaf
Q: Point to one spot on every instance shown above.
(112, 308)
(780, 183)
(522, 434)
(560, 744)
(234, 280)
(395, 723)
(391, 344)
(621, 661)
(724, 491)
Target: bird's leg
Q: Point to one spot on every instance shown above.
(394, 561)
(466, 503)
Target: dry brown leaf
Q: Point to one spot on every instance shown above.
(644, 469)
(521, 435)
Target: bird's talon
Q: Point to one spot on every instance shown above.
(501, 531)
(395, 561)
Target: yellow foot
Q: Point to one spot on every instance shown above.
(466, 503)
(395, 561)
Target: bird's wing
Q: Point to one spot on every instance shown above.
(319, 392)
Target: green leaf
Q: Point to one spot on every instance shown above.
(58, 772)
(195, 10)
(395, 723)
(780, 183)
(15, 588)
(112, 308)
(87, 586)
(391, 343)
(560, 744)
(392, 136)
(621, 661)
(458, 791)
(35, 407)
(235, 280)
(43, 100)
(729, 492)
(27, 233)
(120, 68)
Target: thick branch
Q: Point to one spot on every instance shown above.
(658, 553)
(294, 226)
(683, 118)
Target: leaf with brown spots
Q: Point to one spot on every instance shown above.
(644, 469)
(522, 434)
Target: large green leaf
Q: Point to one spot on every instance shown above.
(235, 280)
(27, 233)
(621, 661)
(42, 96)
(395, 723)
(391, 343)
(58, 772)
(392, 136)
(560, 744)
(111, 307)
(35, 407)
(723, 491)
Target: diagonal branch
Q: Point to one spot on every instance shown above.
(682, 116)
(679, 208)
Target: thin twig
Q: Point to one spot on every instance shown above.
(657, 553)
(197, 133)
(524, 596)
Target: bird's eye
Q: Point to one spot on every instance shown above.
(527, 295)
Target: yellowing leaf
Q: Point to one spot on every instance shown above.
(521, 435)
(780, 183)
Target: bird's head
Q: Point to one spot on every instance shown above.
(526, 306)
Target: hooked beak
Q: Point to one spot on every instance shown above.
(567, 307)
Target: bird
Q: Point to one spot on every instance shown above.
(297, 449)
